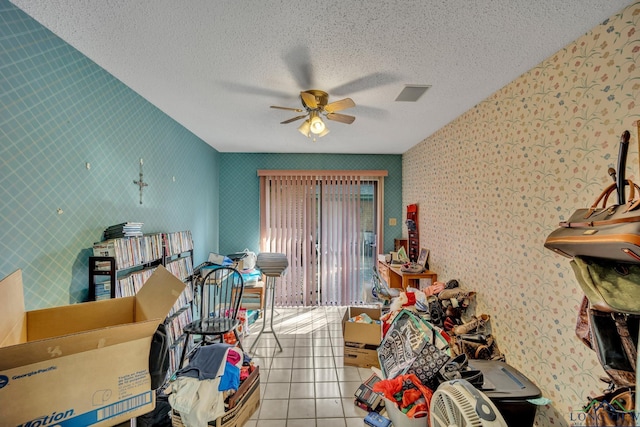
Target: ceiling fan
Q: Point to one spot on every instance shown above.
(315, 105)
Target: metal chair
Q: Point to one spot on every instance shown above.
(219, 296)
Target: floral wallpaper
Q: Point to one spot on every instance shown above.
(496, 181)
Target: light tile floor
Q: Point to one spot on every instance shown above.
(305, 384)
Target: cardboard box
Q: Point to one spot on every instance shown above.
(241, 405)
(81, 364)
(216, 258)
(361, 340)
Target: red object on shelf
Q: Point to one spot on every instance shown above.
(413, 242)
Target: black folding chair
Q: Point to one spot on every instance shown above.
(220, 295)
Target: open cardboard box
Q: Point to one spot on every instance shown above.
(81, 364)
(361, 340)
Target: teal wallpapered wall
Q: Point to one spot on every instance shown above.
(240, 191)
(60, 111)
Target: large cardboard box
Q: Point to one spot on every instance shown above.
(361, 340)
(242, 404)
(81, 364)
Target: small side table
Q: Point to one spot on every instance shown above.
(257, 289)
(396, 278)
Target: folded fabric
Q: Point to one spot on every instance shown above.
(234, 357)
(183, 394)
(361, 318)
(207, 362)
(197, 401)
(410, 396)
(411, 299)
(230, 380)
(244, 373)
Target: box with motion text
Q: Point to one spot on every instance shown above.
(81, 364)
(361, 340)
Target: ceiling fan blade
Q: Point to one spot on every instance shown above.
(298, 60)
(253, 90)
(343, 104)
(309, 100)
(293, 119)
(367, 82)
(298, 110)
(342, 118)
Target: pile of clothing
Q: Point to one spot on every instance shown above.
(214, 373)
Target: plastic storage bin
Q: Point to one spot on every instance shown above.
(509, 390)
(399, 419)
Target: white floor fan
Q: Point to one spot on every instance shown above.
(457, 403)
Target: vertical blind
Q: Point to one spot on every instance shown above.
(314, 218)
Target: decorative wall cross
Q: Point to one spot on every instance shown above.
(140, 183)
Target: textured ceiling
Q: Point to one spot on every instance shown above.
(216, 66)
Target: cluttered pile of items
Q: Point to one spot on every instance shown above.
(603, 243)
(220, 384)
(434, 362)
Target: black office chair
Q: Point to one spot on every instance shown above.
(220, 296)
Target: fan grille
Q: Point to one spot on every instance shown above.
(450, 406)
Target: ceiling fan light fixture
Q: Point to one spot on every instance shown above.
(315, 102)
(304, 128)
(316, 123)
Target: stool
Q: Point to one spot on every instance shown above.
(272, 266)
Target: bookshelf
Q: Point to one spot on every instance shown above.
(120, 266)
(178, 259)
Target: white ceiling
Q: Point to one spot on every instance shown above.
(216, 66)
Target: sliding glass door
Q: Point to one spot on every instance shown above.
(328, 226)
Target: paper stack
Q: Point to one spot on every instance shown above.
(272, 264)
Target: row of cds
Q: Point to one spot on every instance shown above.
(131, 251)
(175, 352)
(182, 268)
(178, 242)
(130, 284)
(176, 324)
(183, 300)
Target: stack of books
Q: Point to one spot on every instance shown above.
(368, 399)
(272, 264)
(126, 229)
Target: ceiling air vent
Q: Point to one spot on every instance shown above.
(411, 93)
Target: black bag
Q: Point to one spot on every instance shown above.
(614, 338)
(159, 357)
(159, 417)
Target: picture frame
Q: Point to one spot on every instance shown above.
(423, 257)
